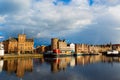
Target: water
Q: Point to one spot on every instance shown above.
(66, 68)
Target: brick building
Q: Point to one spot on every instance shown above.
(19, 45)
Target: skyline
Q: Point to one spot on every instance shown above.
(77, 21)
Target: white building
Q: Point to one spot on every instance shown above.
(1, 49)
(72, 46)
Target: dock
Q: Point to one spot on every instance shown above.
(15, 56)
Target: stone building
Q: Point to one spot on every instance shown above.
(41, 49)
(81, 48)
(19, 45)
(116, 47)
(61, 45)
(58, 44)
(54, 43)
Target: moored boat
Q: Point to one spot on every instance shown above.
(112, 53)
(56, 53)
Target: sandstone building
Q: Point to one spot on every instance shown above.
(61, 45)
(19, 45)
(41, 49)
(81, 48)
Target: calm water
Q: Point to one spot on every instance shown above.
(67, 68)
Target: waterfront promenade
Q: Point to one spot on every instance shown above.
(11, 56)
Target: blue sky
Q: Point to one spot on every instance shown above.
(77, 21)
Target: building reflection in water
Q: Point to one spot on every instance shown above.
(60, 64)
(1, 65)
(83, 60)
(72, 62)
(19, 66)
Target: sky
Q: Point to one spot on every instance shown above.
(77, 21)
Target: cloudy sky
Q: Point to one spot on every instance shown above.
(78, 21)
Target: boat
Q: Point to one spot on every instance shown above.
(56, 53)
(1, 49)
(112, 53)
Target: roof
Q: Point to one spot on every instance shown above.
(29, 40)
(16, 39)
(115, 44)
(11, 39)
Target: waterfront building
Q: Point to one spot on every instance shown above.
(1, 49)
(81, 48)
(19, 45)
(57, 43)
(41, 49)
(116, 47)
(54, 43)
(62, 46)
(72, 46)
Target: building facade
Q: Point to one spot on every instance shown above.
(57, 43)
(54, 43)
(81, 48)
(19, 45)
(62, 46)
(41, 49)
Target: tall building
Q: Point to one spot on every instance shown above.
(62, 46)
(19, 45)
(58, 44)
(54, 43)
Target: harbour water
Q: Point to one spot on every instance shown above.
(65, 68)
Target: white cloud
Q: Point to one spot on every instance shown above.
(44, 19)
(115, 11)
(1, 37)
(2, 19)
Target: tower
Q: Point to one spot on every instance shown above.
(21, 38)
(21, 43)
(54, 43)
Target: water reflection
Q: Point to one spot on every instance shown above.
(18, 66)
(1, 65)
(80, 67)
(60, 64)
(83, 60)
